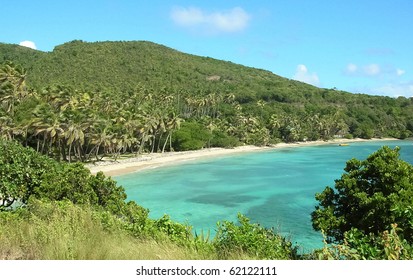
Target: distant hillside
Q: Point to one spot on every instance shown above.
(123, 65)
(122, 68)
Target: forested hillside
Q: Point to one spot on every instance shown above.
(85, 100)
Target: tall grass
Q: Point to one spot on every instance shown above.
(61, 230)
(64, 231)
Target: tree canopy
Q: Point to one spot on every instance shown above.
(112, 97)
(370, 197)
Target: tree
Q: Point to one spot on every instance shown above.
(6, 128)
(12, 86)
(173, 123)
(191, 136)
(372, 195)
(24, 174)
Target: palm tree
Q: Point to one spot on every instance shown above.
(147, 131)
(290, 129)
(261, 105)
(75, 138)
(172, 124)
(6, 128)
(101, 138)
(53, 131)
(274, 125)
(159, 131)
(12, 86)
(211, 125)
(229, 98)
(122, 143)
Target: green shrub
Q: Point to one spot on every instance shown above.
(25, 173)
(223, 140)
(388, 245)
(370, 196)
(251, 239)
(191, 136)
(175, 231)
(21, 172)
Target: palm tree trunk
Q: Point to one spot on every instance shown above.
(170, 142)
(97, 147)
(159, 143)
(166, 141)
(141, 145)
(44, 143)
(70, 150)
(153, 145)
(63, 150)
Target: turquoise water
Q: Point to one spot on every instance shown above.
(274, 188)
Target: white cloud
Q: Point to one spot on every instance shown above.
(372, 69)
(351, 68)
(28, 44)
(395, 90)
(400, 72)
(187, 17)
(233, 20)
(302, 75)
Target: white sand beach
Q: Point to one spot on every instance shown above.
(155, 160)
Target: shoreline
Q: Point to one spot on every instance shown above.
(156, 160)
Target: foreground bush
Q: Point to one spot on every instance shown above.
(253, 240)
(369, 213)
(26, 174)
(387, 245)
(370, 196)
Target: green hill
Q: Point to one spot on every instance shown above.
(120, 66)
(222, 103)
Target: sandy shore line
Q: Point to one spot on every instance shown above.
(148, 161)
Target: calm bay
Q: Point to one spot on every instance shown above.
(275, 188)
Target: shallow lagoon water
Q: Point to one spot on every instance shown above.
(275, 188)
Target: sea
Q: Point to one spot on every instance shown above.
(275, 188)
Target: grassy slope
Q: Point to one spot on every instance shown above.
(76, 234)
(124, 65)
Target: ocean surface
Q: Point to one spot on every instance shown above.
(274, 188)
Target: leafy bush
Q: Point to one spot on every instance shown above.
(21, 172)
(223, 140)
(25, 173)
(251, 239)
(135, 218)
(387, 245)
(175, 231)
(370, 196)
(109, 195)
(191, 136)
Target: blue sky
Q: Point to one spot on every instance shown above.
(354, 45)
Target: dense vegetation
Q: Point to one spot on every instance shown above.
(52, 210)
(86, 100)
(374, 197)
(58, 210)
